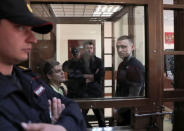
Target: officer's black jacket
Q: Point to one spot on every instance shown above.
(21, 101)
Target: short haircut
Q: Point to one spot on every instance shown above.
(88, 43)
(125, 37)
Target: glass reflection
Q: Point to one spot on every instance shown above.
(130, 54)
(168, 117)
(168, 1)
(85, 72)
(173, 72)
(104, 38)
(169, 71)
(172, 25)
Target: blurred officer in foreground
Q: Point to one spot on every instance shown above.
(23, 96)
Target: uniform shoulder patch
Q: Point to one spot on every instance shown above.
(39, 90)
(24, 68)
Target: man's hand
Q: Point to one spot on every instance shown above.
(89, 77)
(55, 108)
(42, 127)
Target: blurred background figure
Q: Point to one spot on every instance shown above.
(71, 64)
(76, 81)
(93, 71)
(55, 77)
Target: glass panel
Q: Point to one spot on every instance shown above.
(130, 49)
(167, 1)
(172, 1)
(168, 71)
(173, 116)
(121, 26)
(168, 29)
(70, 45)
(108, 83)
(108, 112)
(168, 117)
(81, 34)
(107, 45)
(173, 29)
(108, 92)
(173, 76)
(107, 29)
(178, 2)
(126, 20)
(139, 30)
(108, 60)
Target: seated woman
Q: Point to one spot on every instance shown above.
(55, 77)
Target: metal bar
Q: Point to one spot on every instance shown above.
(153, 114)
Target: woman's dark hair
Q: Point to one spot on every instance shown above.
(48, 66)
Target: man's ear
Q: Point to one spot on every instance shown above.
(133, 47)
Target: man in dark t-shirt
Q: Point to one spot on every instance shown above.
(130, 76)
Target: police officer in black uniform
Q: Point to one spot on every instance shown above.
(23, 95)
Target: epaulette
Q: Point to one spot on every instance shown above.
(24, 68)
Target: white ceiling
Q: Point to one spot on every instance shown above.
(74, 10)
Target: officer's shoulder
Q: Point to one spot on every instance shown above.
(23, 68)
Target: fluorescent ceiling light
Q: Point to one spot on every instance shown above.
(108, 13)
(98, 8)
(104, 8)
(109, 9)
(94, 10)
(105, 15)
(116, 9)
(97, 13)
